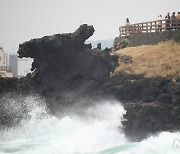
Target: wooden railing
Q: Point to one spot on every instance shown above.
(6, 68)
(149, 27)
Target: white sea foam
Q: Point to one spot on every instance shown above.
(98, 131)
(42, 133)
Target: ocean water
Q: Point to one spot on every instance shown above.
(96, 132)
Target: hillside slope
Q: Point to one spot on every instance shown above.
(147, 82)
(162, 60)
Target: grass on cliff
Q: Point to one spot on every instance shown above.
(161, 60)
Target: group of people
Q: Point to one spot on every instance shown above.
(168, 23)
(172, 22)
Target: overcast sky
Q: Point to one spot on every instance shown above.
(22, 20)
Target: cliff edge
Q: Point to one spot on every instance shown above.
(147, 81)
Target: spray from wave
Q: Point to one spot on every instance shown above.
(43, 133)
(97, 131)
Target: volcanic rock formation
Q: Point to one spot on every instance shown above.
(151, 104)
(65, 68)
(66, 71)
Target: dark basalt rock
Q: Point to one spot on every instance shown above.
(120, 44)
(7, 84)
(152, 104)
(66, 71)
(126, 59)
(146, 119)
(65, 68)
(19, 86)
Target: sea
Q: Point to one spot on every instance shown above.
(99, 131)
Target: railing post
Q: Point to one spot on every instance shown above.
(149, 27)
(146, 27)
(120, 31)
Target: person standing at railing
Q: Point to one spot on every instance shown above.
(127, 22)
(178, 20)
(127, 27)
(178, 16)
(168, 21)
(160, 23)
(173, 20)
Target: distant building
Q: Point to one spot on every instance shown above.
(3, 57)
(5, 70)
(13, 62)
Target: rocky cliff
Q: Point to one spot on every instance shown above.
(147, 81)
(65, 68)
(66, 71)
(152, 104)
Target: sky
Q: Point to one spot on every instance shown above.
(22, 20)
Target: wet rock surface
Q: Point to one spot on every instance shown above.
(152, 104)
(146, 119)
(65, 68)
(67, 71)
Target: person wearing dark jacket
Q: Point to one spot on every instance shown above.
(168, 21)
(173, 20)
(178, 20)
